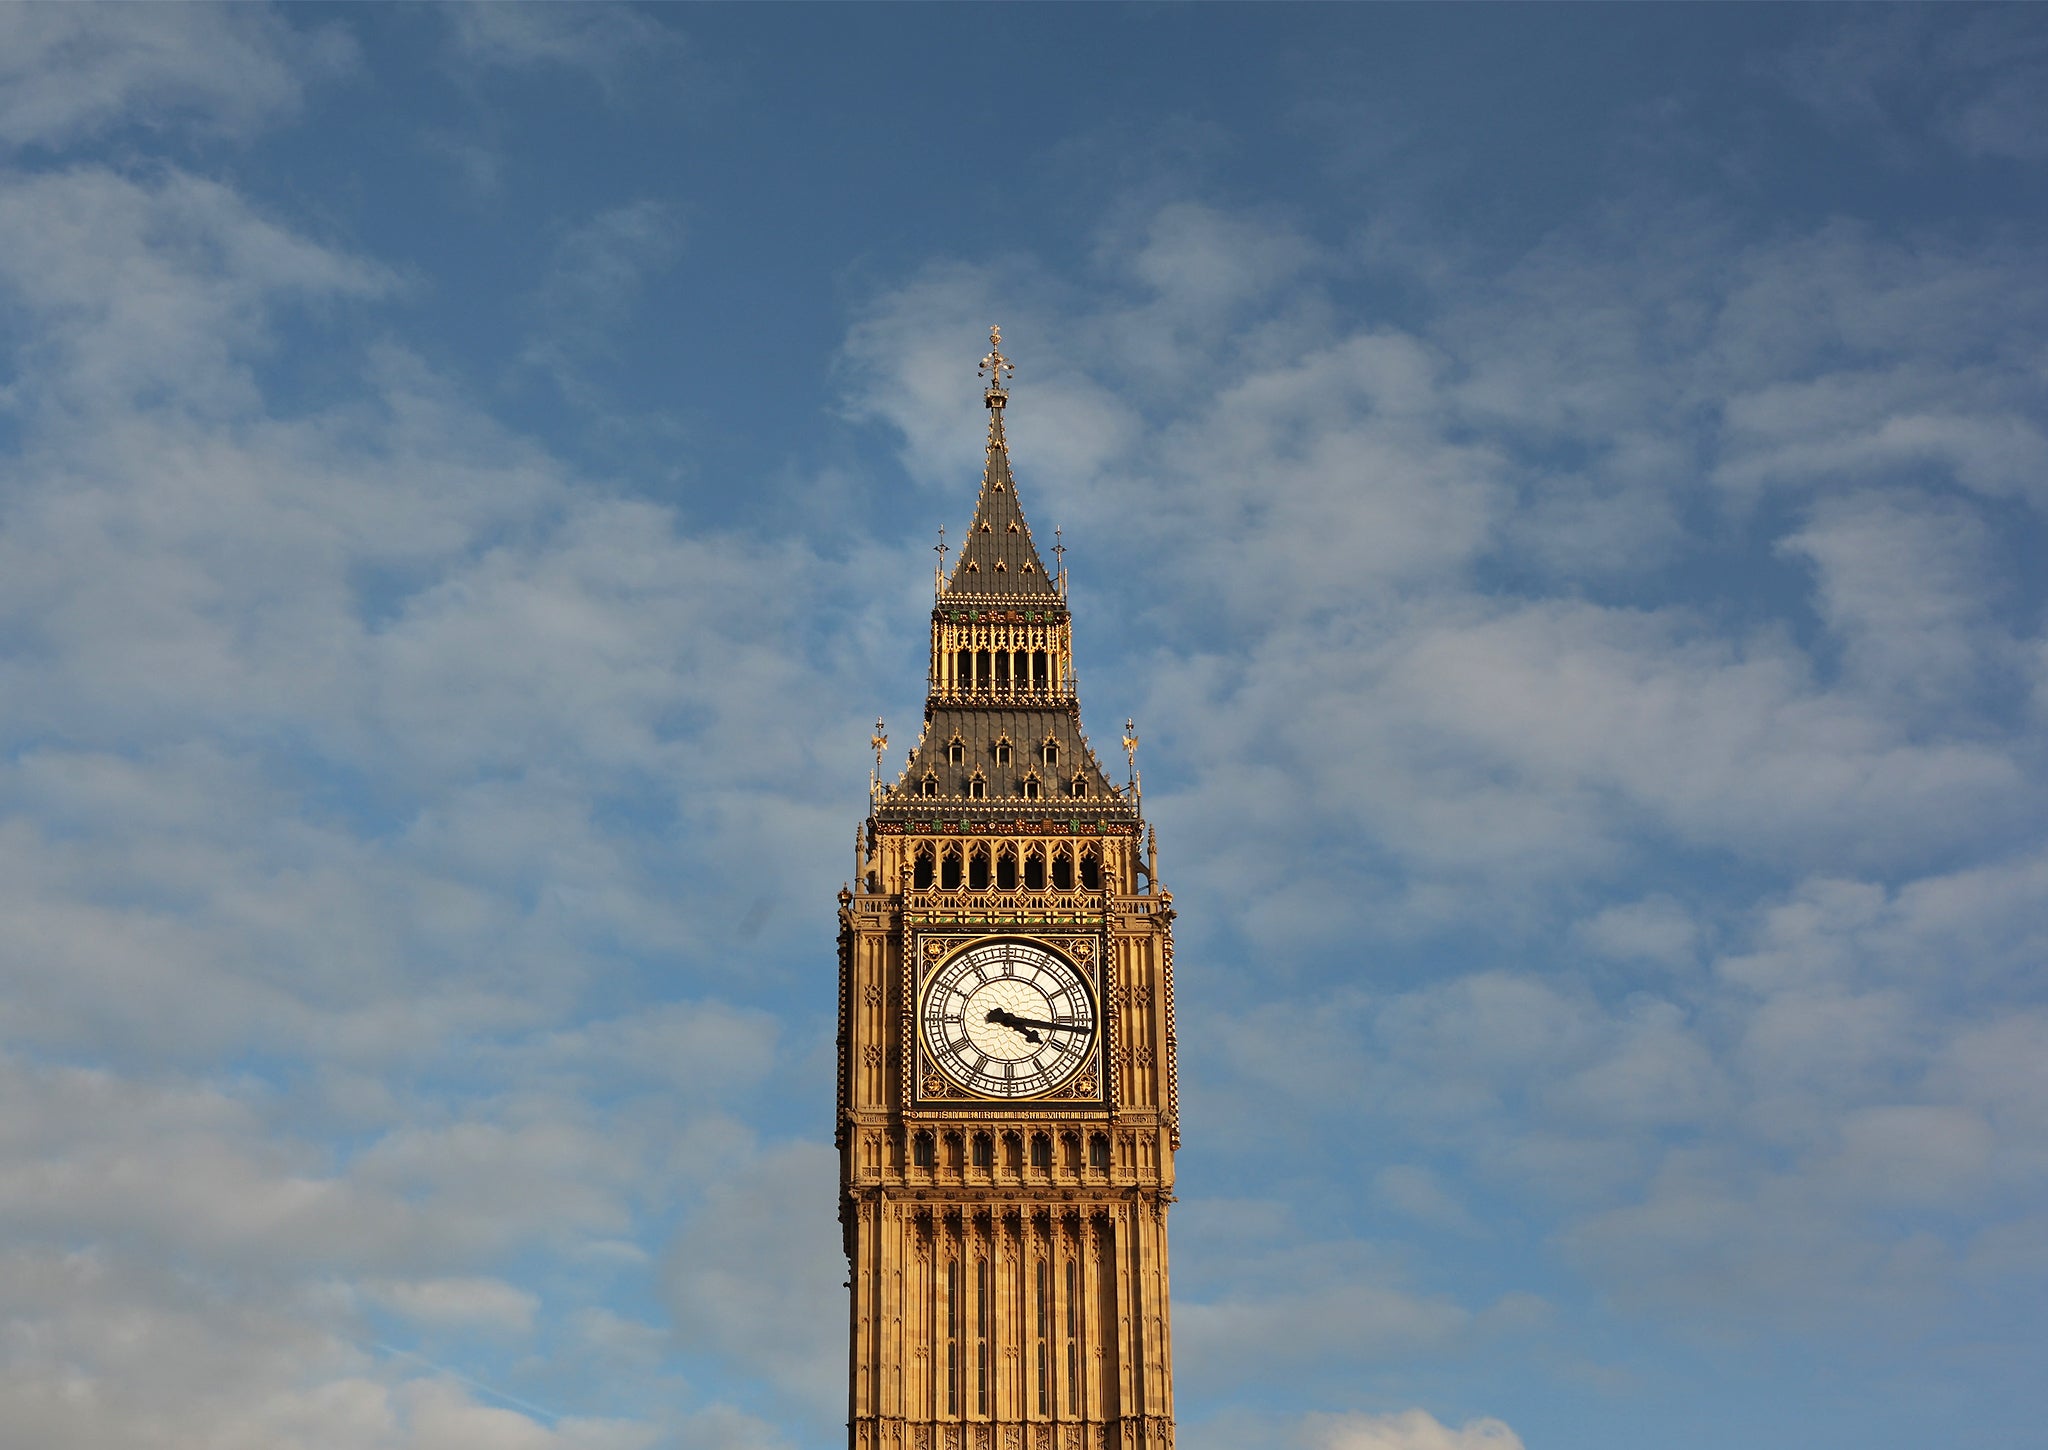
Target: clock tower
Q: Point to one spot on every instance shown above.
(1007, 1112)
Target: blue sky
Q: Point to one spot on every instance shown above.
(1561, 491)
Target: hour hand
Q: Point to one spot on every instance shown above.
(1018, 1025)
(1024, 1024)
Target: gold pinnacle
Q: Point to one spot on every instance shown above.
(995, 365)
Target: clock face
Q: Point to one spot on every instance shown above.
(1008, 1019)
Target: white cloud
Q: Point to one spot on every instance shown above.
(604, 42)
(1899, 79)
(1909, 585)
(1655, 929)
(1418, 1193)
(1405, 1430)
(151, 292)
(757, 1276)
(484, 1302)
(70, 71)
(598, 273)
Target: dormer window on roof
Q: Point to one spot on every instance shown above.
(956, 750)
(977, 786)
(1002, 750)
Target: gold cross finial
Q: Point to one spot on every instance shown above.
(995, 366)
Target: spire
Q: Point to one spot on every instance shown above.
(998, 557)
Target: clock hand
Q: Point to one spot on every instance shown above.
(1016, 1024)
(1008, 1019)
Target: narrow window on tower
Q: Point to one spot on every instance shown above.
(952, 1337)
(983, 1270)
(921, 1150)
(1041, 1151)
(1098, 1153)
(1073, 1336)
(984, 1151)
(1044, 1325)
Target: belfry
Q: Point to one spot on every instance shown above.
(1007, 1112)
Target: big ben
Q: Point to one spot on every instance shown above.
(1007, 1112)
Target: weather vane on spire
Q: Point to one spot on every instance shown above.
(881, 743)
(940, 549)
(995, 366)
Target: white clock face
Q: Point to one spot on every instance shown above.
(1008, 1019)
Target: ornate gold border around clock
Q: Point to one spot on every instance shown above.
(925, 951)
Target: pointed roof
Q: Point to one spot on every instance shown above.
(998, 556)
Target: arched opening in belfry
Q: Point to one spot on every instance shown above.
(1091, 870)
(1034, 869)
(977, 869)
(1002, 679)
(1062, 869)
(1006, 868)
(1039, 677)
(949, 869)
(963, 669)
(983, 670)
(923, 871)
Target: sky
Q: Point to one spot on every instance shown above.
(1560, 490)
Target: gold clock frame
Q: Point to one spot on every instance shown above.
(928, 1084)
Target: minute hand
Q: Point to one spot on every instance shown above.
(1004, 1018)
